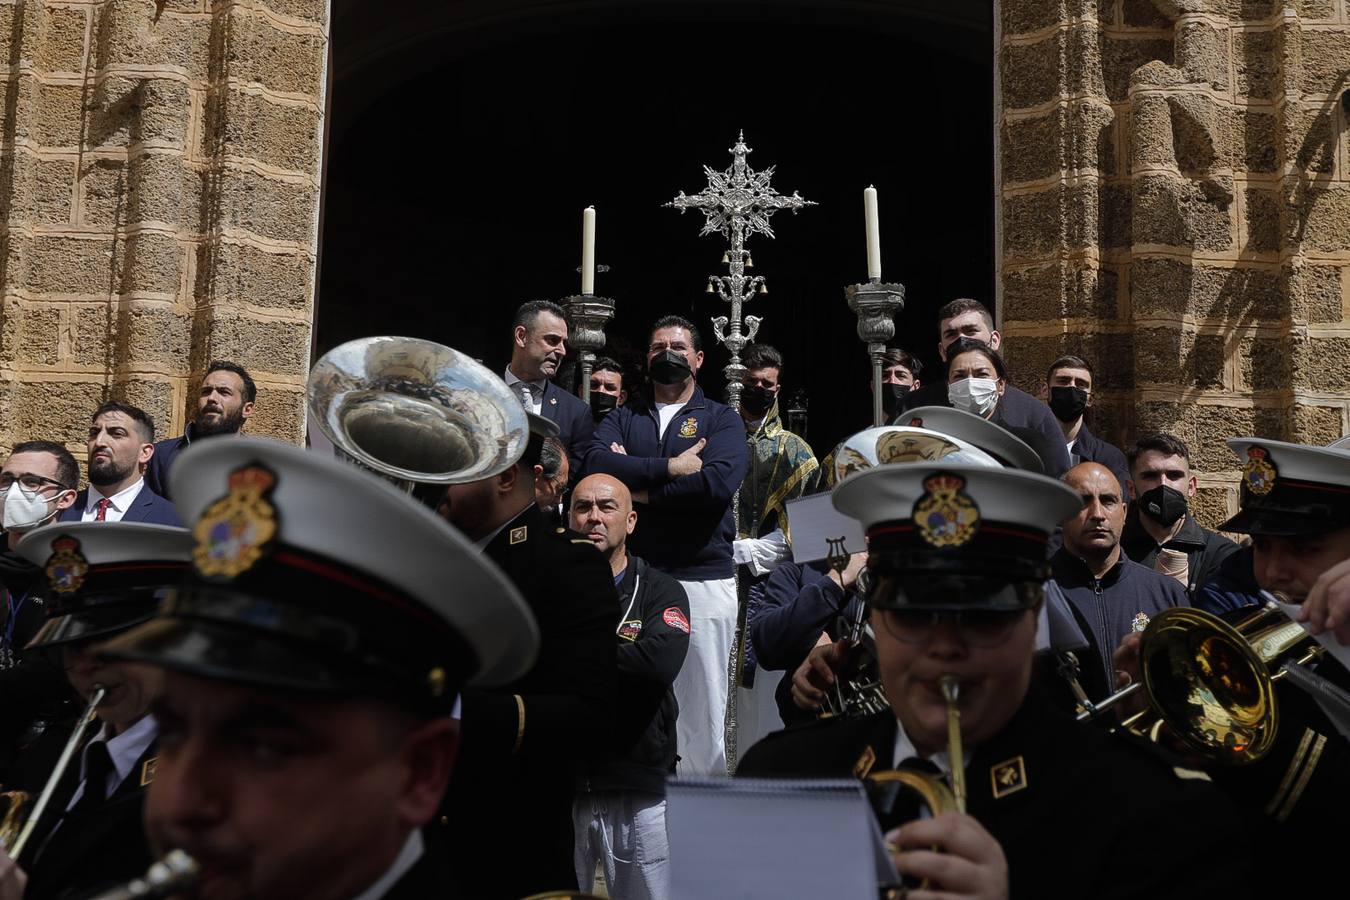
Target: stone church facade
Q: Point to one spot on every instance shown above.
(1173, 199)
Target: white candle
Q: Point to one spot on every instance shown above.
(873, 234)
(588, 250)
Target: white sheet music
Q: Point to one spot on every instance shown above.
(744, 838)
(815, 523)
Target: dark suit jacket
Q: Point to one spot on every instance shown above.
(93, 849)
(166, 451)
(147, 507)
(1095, 816)
(1090, 448)
(576, 425)
(523, 743)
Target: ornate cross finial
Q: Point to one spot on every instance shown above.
(737, 203)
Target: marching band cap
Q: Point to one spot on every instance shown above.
(1290, 489)
(310, 574)
(103, 577)
(958, 536)
(997, 441)
(887, 444)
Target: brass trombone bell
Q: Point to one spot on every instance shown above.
(1211, 682)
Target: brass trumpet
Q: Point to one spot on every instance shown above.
(15, 832)
(1211, 682)
(885, 788)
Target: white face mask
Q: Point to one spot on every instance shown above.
(24, 511)
(974, 395)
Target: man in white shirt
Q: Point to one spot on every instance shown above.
(121, 443)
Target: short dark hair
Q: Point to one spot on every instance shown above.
(1160, 442)
(609, 364)
(762, 356)
(894, 356)
(528, 313)
(1069, 361)
(144, 424)
(250, 392)
(678, 322)
(67, 469)
(970, 345)
(964, 305)
(551, 456)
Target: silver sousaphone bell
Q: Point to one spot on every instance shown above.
(416, 412)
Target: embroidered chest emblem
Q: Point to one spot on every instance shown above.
(235, 530)
(1259, 473)
(689, 427)
(630, 630)
(945, 516)
(1008, 777)
(1139, 622)
(67, 566)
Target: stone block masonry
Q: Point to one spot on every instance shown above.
(1174, 191)
(159, 190)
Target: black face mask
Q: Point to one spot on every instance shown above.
(1163, 505)
(670, 368)
(892, 395)
(602, 404)
(757, 400)
(1068, 403)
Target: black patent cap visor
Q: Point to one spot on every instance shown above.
(948, 592)
(92, 623)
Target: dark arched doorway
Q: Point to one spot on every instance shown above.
(466, 139)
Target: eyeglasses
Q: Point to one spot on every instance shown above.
(28, 481)
(980, 628)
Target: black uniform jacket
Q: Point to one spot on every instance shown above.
(1298, 789)
(92, 849)
(523, 744)
(1079, 813)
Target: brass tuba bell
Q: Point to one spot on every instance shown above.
(416, 412)
(1211, 682)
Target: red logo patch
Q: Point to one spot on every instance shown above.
(676, 618)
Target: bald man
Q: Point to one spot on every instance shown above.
(620, 808)
(1113, 595)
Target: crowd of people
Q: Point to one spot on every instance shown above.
(320, 687)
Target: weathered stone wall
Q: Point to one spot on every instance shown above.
(159, 189)
(1176, 206)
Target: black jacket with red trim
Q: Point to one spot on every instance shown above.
(652, 629)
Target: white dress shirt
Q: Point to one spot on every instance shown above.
(536, 389)
(117, 508)
(124, 749)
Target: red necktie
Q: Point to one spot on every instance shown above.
(102, 515)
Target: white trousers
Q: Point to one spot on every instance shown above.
(702, 685)
(624, 831)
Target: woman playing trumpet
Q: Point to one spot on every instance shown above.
(1052, 809)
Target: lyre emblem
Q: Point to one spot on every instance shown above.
(837, 556)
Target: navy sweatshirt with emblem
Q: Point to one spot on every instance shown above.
(1110, 604)
(686, 527)
(653, 635)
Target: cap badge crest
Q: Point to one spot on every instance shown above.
(235, 531)
(945, 516)
(689, 427)
(1259, 473)
(67, 566)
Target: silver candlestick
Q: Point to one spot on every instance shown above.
(586, 316)
(876, 305)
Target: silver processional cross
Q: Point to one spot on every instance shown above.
(737, 204)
